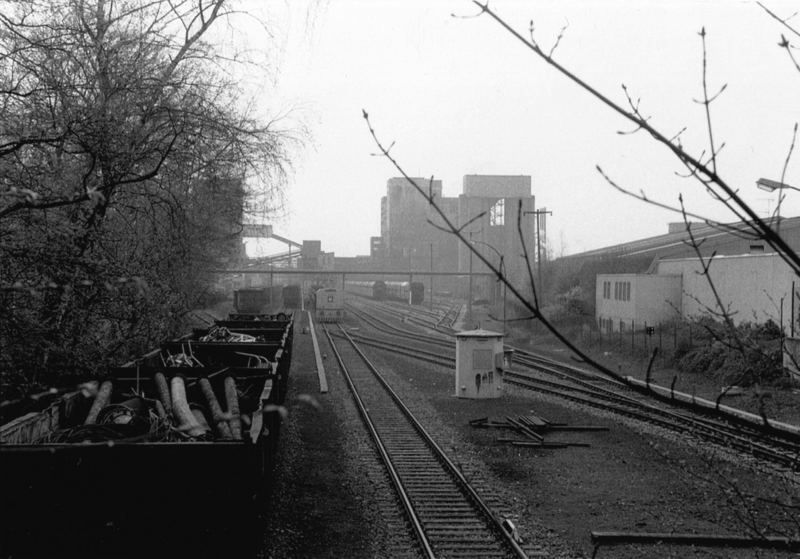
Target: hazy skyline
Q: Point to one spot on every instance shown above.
(460, 96)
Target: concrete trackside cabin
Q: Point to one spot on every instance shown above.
(632, 301)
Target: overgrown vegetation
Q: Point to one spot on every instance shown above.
(127, 154)
(759, 361)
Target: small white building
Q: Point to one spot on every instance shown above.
(626, 301)
(752, 287)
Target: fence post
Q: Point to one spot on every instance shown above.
(633, 337)
(646, 339)
(674, 336)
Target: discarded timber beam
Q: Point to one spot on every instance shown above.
(535, 444)
(710, 540)
(494, 425)
(531, 419)
(549, 444)
(577, 428)
(524, 429)
(543, 418)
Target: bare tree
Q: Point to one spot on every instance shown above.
(127, 153)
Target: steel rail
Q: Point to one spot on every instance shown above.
(699, 426)
(736, 429)
(668, 420)
(429, 357)
(757, 430)
(495, 524)
(419, 532)
(386, 326)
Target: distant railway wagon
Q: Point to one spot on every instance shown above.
(373, 289)
(291, 296)
(412, 293)
(250, 301)
(329, 305)
(408, 292)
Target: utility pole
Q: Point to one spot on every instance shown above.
(541, 224)
(505, 279)
(430, 305)
(501, 269)
(469, 294)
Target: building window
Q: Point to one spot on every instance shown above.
(606, 290)
(497, 213)
(622, 291)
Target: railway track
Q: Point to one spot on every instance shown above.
(584, 387)
(414, 315)
(450, 519)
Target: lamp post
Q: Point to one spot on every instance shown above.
(771, 186)
(501, 268)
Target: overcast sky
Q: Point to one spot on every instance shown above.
(459, 95)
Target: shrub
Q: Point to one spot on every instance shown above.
(750, 354)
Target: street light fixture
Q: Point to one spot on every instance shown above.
(771, 186)
(501, 268)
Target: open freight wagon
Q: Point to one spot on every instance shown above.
(138, 481)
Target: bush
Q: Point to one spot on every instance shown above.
(749, 355)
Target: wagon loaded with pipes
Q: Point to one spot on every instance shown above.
(167, 455)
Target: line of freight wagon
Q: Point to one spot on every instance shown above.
(167, 456)
(411, 292)
(326, 302)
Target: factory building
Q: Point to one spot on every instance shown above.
(411, 229)
(637, 256)
(498, 199)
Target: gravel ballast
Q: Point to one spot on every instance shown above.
(332, 499)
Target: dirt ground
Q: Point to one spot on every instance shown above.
(330, 501)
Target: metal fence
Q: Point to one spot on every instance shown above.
(640, 339)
